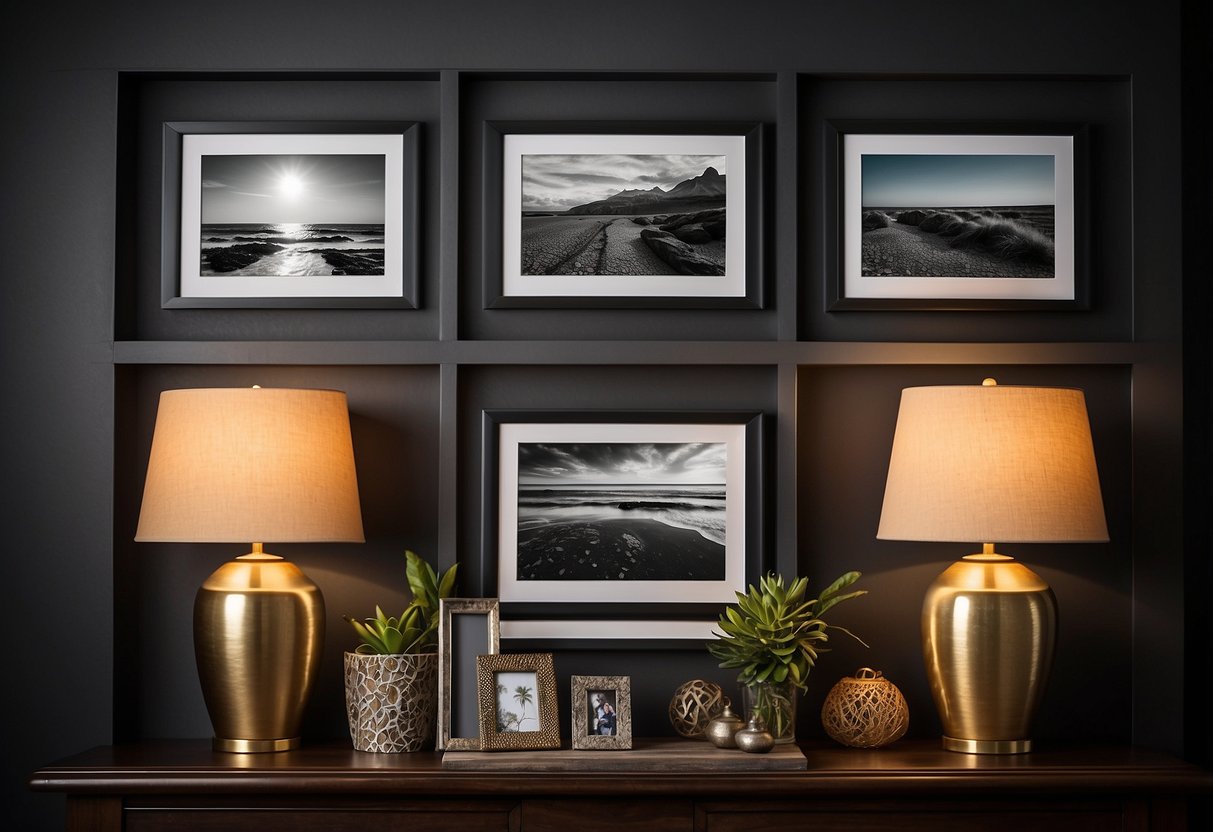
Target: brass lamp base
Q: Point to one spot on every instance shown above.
(258, 637)
(987, 746)
(988, 625)
(254, 746)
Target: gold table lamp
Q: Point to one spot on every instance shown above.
(240, 465)
(980, 464)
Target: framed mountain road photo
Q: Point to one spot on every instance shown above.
(623, 215)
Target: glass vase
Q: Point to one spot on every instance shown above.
(775, 703)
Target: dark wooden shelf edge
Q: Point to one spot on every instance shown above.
(910, 769)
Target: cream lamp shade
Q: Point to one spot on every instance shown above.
(236, 465)
(992, 463)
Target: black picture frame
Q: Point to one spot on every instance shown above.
(756, 199)
(532, 624)
(837, 298)
(173, 133)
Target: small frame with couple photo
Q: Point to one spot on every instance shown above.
(602, 713)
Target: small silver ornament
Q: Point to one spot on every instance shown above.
(720, 731)
(755, 738)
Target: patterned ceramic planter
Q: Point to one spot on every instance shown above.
(391, 701)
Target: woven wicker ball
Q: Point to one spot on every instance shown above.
(865, 710)
(695, 704)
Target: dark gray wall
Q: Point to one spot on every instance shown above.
(1198, 362)
(97, 628)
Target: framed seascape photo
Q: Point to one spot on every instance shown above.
(602, 713)
(623, 215)
(517, 697)
(620, 527)
(467, 628)
(290, 215)
(932, 218)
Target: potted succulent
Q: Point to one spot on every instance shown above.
(773, 637)
(391, 679)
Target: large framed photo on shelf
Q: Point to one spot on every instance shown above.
(623, 215)
(620, 528)
(946, 216)
(290, 214)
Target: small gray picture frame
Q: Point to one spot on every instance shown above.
(585, 689)
(461, 638)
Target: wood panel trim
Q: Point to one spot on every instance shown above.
(94, 814)
(911, 768)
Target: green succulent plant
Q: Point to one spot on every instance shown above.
(416, 629)
(774, 635)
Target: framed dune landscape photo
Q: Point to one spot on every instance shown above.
(619, 526)
(623, 215)
(932, 218)
(290, 214)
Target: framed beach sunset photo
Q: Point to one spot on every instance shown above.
(939, 220)
(625, 215)
(620, 526)
(272, 215)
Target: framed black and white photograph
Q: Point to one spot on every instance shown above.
(620, 526)
(517, 697)
(290, 215)
(602, 713)
(667, 217)
(467, 628)
(944, 220)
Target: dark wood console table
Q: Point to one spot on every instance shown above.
(183, 785)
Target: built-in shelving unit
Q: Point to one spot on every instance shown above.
(828, 381)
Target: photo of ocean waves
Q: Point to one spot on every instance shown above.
(697, 508)
(292, 249)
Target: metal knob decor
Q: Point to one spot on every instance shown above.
(755, 738)
(695, 704)
(721, 730)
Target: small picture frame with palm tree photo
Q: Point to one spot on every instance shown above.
(517, 702)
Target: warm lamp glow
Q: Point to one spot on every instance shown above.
(243, 465)
(983, 464)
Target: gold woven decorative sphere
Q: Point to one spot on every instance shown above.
(695, 704)
(865, 710)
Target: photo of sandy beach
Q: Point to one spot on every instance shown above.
(958, 215)
(621, 511)
(623, 214)
(296, 215)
